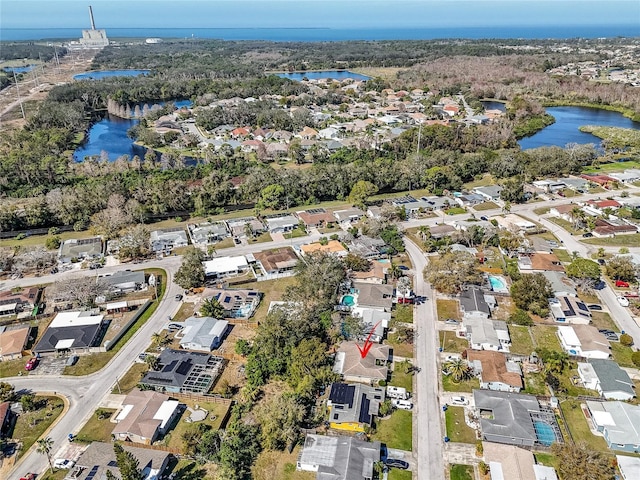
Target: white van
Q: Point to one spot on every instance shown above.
(402, 404)
(397, 392)
(459, 401)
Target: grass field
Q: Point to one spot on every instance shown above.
(447, 309)
(217, 413)
(541, 210)
(30, 426)
(562, 255)
(546, 337)
(277, 465)
(579, 428)
(602, 320)
(400, 378)
(485, 206)
(403, 313)
(97, 429)
(400, 349)
(521, 342)
(568, 226)
(395, 431)
(622, 354)
(272, 290)
(631, 240)
(461, 472)
(262, 238)
(450, 342)
(467, 386)
(130, 379)
(457, 430)
(395, 474)
(611, 167)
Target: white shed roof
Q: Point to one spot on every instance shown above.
(75, 319)
(222, 265)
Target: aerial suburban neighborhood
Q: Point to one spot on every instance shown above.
(329, 275)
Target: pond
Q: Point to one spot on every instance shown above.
(24, 69)
(568, 121)
(334, 74)
(97, 75)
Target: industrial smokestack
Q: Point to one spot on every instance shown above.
(93, 24)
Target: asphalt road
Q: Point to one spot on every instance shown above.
(429, 448)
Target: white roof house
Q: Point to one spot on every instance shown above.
(281, 224)
(202, 334)
(583, 341)
(607, 378)
(223, 266)
(486, 334)
(619, 423)
(75, 319)
(629, 467)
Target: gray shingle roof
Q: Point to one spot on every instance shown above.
(472, 300)
(340, 458)
(510, 414)
(612, 377)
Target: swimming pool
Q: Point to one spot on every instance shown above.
(498, 284)
(544, 432)
(348, 300)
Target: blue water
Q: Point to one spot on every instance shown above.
(109, 135)
(545, 433)
(25, 69)
(569, 120)
(338, 34)
(497, 284)
(348, 300)
(97, 75)
(334, 74)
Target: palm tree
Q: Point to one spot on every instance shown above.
(459, 370)
(211, 307)
(45, 445)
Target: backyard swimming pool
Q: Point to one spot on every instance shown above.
(544, 432)
(348, 300)
(498, 284)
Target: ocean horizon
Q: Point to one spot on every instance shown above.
(326, 34)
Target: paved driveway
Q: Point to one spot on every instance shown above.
(50, 366)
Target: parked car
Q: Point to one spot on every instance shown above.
(396, 463)
(63, 463)
(622, 284)
(178, 297)
(623, 301)
(72, 360)
(601, 261)
(29, 476)
(236, 240)
(587, 235)
(483, 218)
(605, 330)
(594, 307)
(451, 321)
(141, 358)
(31, 364)
(612, 337)
(403, 267)
(174, 327)
(459, 401)
(402, 404)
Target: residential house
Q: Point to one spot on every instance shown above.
(577, 184)
(495, 371)
(584, 341)
(374, 212)
(628, 176)
(165, 240)
(23, 300)
(281, 223)
(619, 423)
(6, 419)
(348, 215)
(240, 227)
(561, 285)
(145, 415)
(486, 334)
(352, 407)
(563, 211)
(72, 331)
(441, 231)
(376, 274)
(338, 457)
(367, 247)
(207, 233)
(607, 378)
(315, 218)
(374, 296)
(184, 372)
(605, 181)
(100, 458)
(202, 333)
(375, 322)
(414, 207)
(549, 186)
(601, 205)
(490, 193)
(124, 281)
(508, 462)
(277, 150)
(508, 418)
(236, 303)
(611, 228)
(308, 133)
(540, 262)
(277, 261)
(469, 199)
(332, 247)
(473, 302)
(569, 310)
(13, 342)
(629, 467)
(80, 249)
(220, 267)
(515, 223)
(370, 369)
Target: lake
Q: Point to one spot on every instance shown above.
(97, 75)
(334, 74)
(569, 120)
(24, 69)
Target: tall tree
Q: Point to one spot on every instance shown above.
(579, 462)
(127, 464)
(211, 307)
(44, 447)
(449, 271)
(361, 191)
(191, 272)
(6, 391)
(532, 293)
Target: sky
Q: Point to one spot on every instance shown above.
(315, 13)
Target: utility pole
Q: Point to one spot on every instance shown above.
(118, 385)
(15, 79)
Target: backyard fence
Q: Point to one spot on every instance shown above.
(112, 343)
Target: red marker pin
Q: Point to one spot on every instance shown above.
(368, 343)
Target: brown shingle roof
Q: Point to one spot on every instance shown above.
(494, 367)
(139, 421)
(276, 259)
(546, 261)
(356, 366)
(12, 342)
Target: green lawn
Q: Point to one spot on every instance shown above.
(546, 337)
(521, 342)
(461, 472)
(217, 413)
(395, 431)
(541, 210)
(130, 379)
(295, 233)
(457, 430)
(226, 243)
(265, 237)
(450, 342)
(56, 475)
(272, 290)
(622, 354)
(455, 211)
(568, 226)
(404, 313)
(395, 474)
(579, 428)
(400, 349)
(447, 309)
(563, 255)
(611, 167)
(399, 377)
(30, 426)
(466, 386)
(569, 193)
(485, 206)
(12, 368)
(632, 240)
(546, 459)
(534, 384)
(97, 429)
(602, 320)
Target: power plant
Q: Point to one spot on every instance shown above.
(92, 38)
